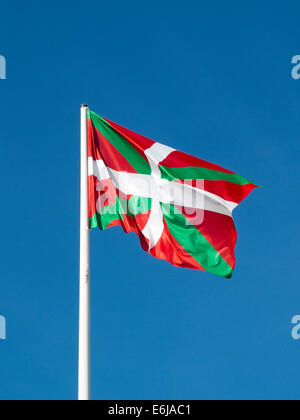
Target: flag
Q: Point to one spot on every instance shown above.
(179, 206)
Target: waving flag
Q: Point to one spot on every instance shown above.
(179, 206)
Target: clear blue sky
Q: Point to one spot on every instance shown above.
(211, 80)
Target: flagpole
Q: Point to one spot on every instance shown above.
(84, 392)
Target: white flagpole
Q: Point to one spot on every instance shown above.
(84, 392)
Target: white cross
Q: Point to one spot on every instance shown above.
(159, 190)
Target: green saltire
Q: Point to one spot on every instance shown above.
(194, 242)
(108, 214)
(190, 172)
(132, 156)
(102, 221)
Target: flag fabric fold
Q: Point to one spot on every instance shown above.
(179, 206)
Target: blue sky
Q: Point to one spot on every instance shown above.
(211, 80)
